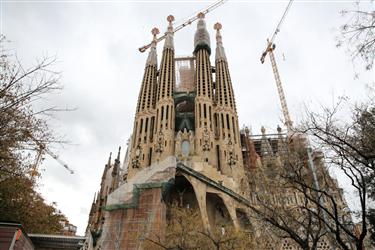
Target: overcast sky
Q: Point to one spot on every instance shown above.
(97, 43)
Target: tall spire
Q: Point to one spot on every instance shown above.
(118, 154)
(169, 39)
(227, 128)
(144, 117)
(220, 53)
(152, 56)
(201, 38)
(109, 160)
(164, 128)
(94, 198)
(224, 90)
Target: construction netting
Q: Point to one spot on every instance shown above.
(185, 72)
(155, 175)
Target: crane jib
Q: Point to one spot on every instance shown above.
(186, 23)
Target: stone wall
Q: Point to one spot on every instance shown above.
(128, 228)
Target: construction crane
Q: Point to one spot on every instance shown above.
(42, 148)
(186, 23)
(288, 121)
(269, 51)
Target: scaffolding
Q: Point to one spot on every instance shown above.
(185, 74)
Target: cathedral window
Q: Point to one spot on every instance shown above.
(135, 133)
(162, 117)
(209, 113)
(228, 126)
(157, 120)
(234, 130)
(216, 123)
(200, 115)
(149, 156)
(166, 115)
(140, 128)
(146, 125)
(152, 127)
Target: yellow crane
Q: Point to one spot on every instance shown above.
(288, 121)
(41, 149)
(185, 23)
(269, 51)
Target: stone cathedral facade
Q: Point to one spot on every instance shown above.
(186, 137)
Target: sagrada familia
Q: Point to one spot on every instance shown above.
(187, 147)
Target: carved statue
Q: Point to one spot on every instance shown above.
(137, 157)
(159, 146)
(178, 144)
(192, 144)
(232, 160)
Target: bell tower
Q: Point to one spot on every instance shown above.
(228, 146)
(164, 129)
(204, 93)
(143, 132)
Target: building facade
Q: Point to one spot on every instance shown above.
(187, 147)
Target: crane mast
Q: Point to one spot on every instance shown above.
(184, 24)
(287, 120)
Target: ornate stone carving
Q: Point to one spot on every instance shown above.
(159, 146)
(206, 140)
(184, 144)
(178, 144)
(137, 156)
(192, 144)
(231, 155)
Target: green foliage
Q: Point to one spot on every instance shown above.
(19, 202)
(24, 135)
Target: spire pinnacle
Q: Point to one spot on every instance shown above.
(152, 57)
(201, 38)
(170, 20)
(169, 38)
(279, 129)
(118, 154)
(220, 53)
(109, 159)
(154, 32)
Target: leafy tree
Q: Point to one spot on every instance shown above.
(357, 34)
(21, 203)
(24, 134)
(185, 231)
(349, 150)
(290, 214)
(23, 129)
